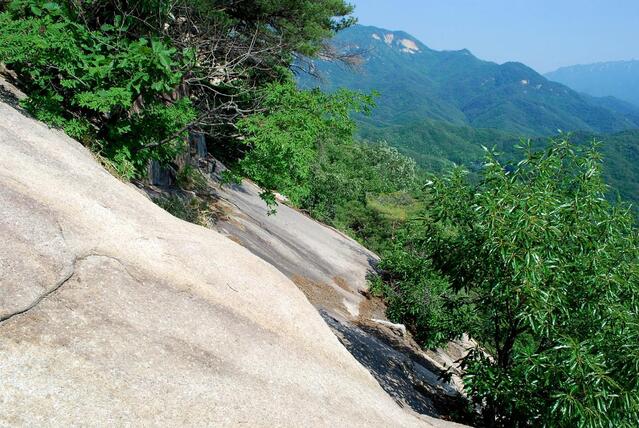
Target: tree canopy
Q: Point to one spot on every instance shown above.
(132, 78)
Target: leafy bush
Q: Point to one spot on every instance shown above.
(101, 86)
(285, 139)
(538, 266)
(418, 296)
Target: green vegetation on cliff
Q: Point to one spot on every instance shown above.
(132, 79)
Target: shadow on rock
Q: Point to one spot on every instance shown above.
(404, 374)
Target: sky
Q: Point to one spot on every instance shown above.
(543, 34)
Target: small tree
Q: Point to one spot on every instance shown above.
(285, 139)
(543, 270)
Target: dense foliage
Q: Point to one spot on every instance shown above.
(89, 82)
(132, 78)
(537, 265)
(437, 146)
(286, 138)
(365, 189)
(301, 26)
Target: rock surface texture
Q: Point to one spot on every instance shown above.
(113, 312)
(331, 269)
(328, 266)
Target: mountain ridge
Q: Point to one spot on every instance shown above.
(419, 108)
(416, 82)
(607, 78)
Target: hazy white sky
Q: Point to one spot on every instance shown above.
(544, 34)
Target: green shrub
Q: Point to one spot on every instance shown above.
(101, 86)
(285, 139)
(537, 265)
(419, 297)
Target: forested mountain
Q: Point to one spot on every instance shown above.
(440, 107)
(416, 82)
(616, 78)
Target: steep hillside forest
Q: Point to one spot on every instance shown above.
(526, 252)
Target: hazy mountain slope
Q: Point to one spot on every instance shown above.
(416, 82)
(113, 312)
(437, 145)
(393, 71)
(617, 78)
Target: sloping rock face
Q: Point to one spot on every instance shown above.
(331, 269)
(327, 265)
(113, 312)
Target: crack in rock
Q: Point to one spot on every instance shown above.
(67, 276)
(42, 296)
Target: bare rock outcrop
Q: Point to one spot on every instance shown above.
(327, 265)
(113, 312)
(332, 269)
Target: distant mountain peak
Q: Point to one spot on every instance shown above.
(399, 41)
